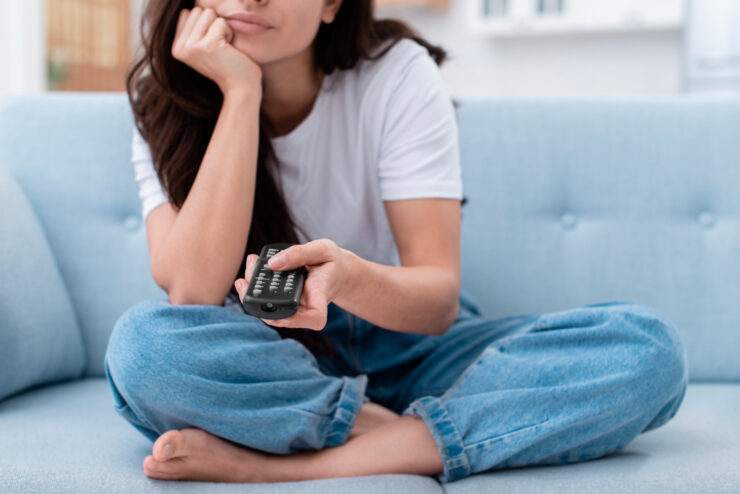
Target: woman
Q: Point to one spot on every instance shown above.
(264, 118)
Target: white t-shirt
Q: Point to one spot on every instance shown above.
(383, 130)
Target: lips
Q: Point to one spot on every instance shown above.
(249, 19)
(246, 27)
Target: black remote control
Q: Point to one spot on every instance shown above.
(273, 294)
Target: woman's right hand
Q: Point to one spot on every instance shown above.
(203, 42)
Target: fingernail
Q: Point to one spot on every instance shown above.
(277, 261)
(238, 285)
(166, 451)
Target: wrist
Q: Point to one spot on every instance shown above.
(243, 96)
(352, 267)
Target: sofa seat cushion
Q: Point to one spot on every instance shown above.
(66, 438)
(698, 451)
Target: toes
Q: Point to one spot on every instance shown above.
(158, 474)
(169, 445)
(169, 467)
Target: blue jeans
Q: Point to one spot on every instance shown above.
(554, 388)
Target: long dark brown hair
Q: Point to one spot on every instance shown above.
(175, 108)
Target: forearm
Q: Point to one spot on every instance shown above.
(410, 299)
(205, 245)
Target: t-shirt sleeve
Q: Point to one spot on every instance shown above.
(150, 189)
(419, 149)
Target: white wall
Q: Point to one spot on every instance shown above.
(479, 65)
(616, 63)
(23, 54)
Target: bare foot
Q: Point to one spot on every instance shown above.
(194, 454)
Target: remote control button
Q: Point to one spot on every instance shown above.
(256, 291)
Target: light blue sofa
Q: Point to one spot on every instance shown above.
(571, 201)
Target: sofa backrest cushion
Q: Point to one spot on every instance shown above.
(40, 341)
(583, 200)
(71, 154)
(571, 201)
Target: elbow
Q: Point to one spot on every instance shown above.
(451, 310)
(452, 303)
(451, 317)
(181, 293)
(182, 297)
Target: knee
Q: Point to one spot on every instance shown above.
(134, 347)
(654, 355)
(134, 331)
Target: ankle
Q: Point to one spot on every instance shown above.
(372, 415)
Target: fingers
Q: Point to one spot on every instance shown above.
(201, 25)
(220, 29)
(251, 263)
(311, 313)
(190, 23)
(305, 318)
(295, 256)
(181, 23)
(242, 284)
(176, 44)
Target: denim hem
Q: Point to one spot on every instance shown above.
(348, 407)
(448, 438)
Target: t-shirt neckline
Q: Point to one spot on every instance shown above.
(303, 128)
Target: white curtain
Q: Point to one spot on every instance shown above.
(713, 45)
(22, 57)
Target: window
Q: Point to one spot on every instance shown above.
(88, 44)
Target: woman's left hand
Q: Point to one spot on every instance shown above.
(328, 271)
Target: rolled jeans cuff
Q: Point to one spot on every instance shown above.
(350, 401)
(448, 438)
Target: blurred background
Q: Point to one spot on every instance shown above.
(496, 47)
